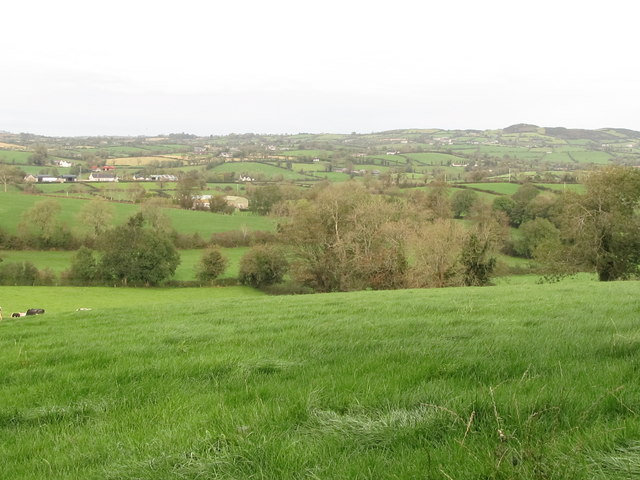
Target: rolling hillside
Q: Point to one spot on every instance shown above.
(519, 381)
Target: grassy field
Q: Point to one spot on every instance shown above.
(511, 382)
(189, 259)
(56, 261)
(502, 188)
(15, 157)
(322, 154)
(255, 169)
(435, 158)
(140, 161)
(59, 261)
(12, 205)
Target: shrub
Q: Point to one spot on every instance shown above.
(84, 268)
(211, 266)
(218, 204)
(184, 241)
(263, 265)
(24, 273)
(240, 238)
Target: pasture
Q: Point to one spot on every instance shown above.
(499, 188)
(142, 161)
(60, 260)
(13, 205)
(259, 170)
(435, 158)
(16, 157)
(517, 381)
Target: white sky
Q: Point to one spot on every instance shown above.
(71, 67)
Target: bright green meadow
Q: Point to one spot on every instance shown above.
(60, 260)
(521, 381)
(13, 205)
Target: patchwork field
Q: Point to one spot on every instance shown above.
(511, 382)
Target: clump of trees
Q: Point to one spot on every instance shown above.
(598, 230)
(41, 228)
(134, 253)
(10, 174)
(344, 238)
(263, 265)
(24, 273)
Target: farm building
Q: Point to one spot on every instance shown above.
(201, 202)
(47, 179)
(241, 203)
(163, 178)
(104, 168)
(103, 177)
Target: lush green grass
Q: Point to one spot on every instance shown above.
(59, 261)
(310, 167)
(592, 157)
(512, 382)
(124, 150)
(322, 154)
(333, 176)
(189, 259)
(206, 223)
(16, 157)
(503, 188)
(255, 169)
(436, 158)
(60, 300)
(12, 205)
(139, 161)
(56, 261)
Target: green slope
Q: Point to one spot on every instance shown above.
(523, 381)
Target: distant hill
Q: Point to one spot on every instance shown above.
(521, 128)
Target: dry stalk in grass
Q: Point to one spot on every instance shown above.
(600, 399)
(445, 474)
(440, 407)
(501, 434)
(471, 417)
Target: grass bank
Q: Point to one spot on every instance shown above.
(516, 381)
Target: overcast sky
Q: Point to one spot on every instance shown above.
(138, 67)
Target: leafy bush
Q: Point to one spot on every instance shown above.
(263, 265)
(185, 241)
(25, 273)
(211, 266)
(84, 268)
(137, 255)
(240, 238)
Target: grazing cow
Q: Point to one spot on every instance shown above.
(35, 311)
(18, 314)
